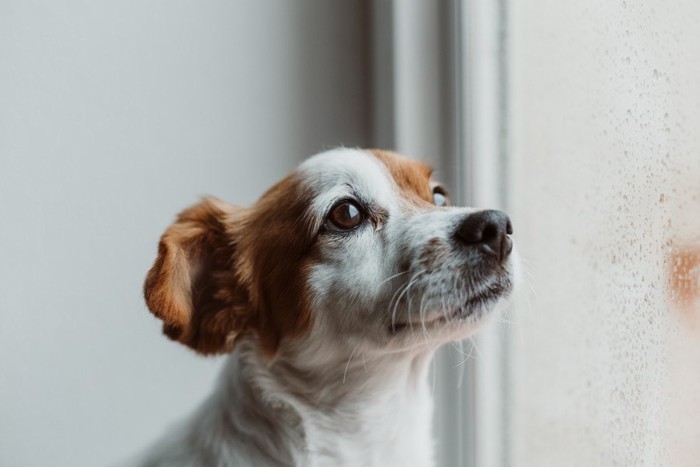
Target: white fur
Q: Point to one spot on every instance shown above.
(347, 393)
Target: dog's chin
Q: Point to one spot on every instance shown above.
(465, 316)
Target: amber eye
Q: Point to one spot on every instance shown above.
(346, 215)
(439, 197)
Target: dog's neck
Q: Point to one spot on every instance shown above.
(360, 411)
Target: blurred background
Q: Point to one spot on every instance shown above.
(578, 118)
(114, 116)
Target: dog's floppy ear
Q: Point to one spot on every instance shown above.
(193, 285)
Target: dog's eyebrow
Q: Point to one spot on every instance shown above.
(411, 176)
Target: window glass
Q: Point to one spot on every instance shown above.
(604, 189)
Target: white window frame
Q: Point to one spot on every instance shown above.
(440, 88)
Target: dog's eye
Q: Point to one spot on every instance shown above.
(439, 196)
(346, 215)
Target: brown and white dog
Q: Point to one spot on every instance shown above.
(330, 295)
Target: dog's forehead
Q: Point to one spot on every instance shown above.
(412, 177)
(377, 175)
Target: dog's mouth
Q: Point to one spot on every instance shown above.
(488, 295)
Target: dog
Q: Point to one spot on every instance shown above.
(330, 295)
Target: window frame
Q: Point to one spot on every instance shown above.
(440, 87)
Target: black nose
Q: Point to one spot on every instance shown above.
(487, 230)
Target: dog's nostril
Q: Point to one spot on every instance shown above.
(489, 231)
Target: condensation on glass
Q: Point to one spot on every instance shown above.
(605, 196)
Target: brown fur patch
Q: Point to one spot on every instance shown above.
(223, 270)
(277, 241)
(412, 177)
(192, 286)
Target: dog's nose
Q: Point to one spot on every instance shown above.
(489, 231)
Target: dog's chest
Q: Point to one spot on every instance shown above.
(393, 432)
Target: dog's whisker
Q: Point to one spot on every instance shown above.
(460, 379)
(460, 350)
(393, 315)
(467, 356)
(421, 308)
(348, 364)
(410, 299)
(444, 307)
(421, 316)
(528, 261)
(393, 277)
(507, 321)
(410, 323)
(396, 302)
(474, 347)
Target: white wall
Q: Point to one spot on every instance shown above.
(114, 116)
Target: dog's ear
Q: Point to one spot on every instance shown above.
(194, 286)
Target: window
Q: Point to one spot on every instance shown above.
(605, 191)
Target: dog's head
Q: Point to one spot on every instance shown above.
(356, 246)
